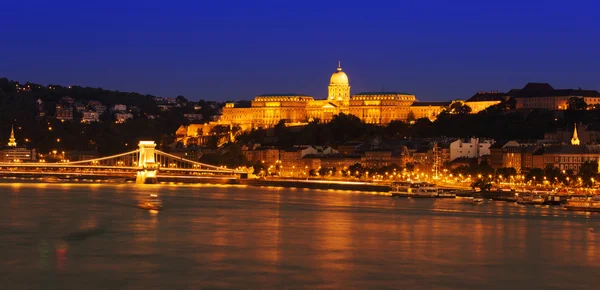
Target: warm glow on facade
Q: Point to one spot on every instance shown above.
(267, 110)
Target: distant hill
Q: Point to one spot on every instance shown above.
(152, 118)
(51, 94)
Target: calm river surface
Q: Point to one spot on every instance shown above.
(78, 236)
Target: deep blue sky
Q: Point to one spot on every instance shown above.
(222, 50)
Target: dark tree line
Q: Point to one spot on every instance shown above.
(499, 122)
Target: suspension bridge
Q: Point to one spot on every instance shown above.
(145, 164)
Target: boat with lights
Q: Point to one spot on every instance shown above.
(589, 204)
(413, 189)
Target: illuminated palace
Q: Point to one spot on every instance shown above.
(265, 111)
(268, 110)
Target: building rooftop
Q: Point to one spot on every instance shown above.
(573, 149)
(381, 93)
(331, 156)
(538, 87)
(284, 95)
(498, 144)
(464, 160)
(487, 96)
(546, 90)
(425, 104)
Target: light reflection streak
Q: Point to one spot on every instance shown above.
(339, 237)
(591, 246)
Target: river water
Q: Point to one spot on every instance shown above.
(78, 236)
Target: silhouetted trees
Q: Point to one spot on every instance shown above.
(459, 108)
(535, 174)
(588, 173)
(576, 104)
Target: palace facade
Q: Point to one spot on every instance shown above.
(371, 107)
(266, 111)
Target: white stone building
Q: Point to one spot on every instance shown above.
(119, 108)
(90, 117)
(472, 149)
(318, 151)
(122, 117)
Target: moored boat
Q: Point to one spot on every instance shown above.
(413, 189)
(426, 191)
(530, 199)
(591, 204)
(553, 200)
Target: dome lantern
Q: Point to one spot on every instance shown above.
(339, 77)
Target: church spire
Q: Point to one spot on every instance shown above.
(575, 139)
(12, 141)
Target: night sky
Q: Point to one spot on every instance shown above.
(225, 50)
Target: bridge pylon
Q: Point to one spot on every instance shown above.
(147, 166)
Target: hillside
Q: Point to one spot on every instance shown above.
(32, 109)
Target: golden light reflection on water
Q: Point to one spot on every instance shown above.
(88, 223)
(219, 239)
(260, 238)
(592, 244)
(335, 237)
(478, 238)
(269, 240)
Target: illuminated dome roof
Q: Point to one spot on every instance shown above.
(339, 77)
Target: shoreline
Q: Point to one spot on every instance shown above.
(307, 184)
(316, 184)
(348, 186)
(357, 186)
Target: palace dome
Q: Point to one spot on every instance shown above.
(339, 77)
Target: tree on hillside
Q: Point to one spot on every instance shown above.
(459, 108)
(181, 99)
(504, 105)
(422, 127)
(397, 129)
(345, 128)
(410, 117)
(280, 127)
(576, 104)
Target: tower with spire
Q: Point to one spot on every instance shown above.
(575, 139)
(12, 142)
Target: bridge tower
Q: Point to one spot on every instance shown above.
(147, 166)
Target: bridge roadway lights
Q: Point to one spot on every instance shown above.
(147, 167)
